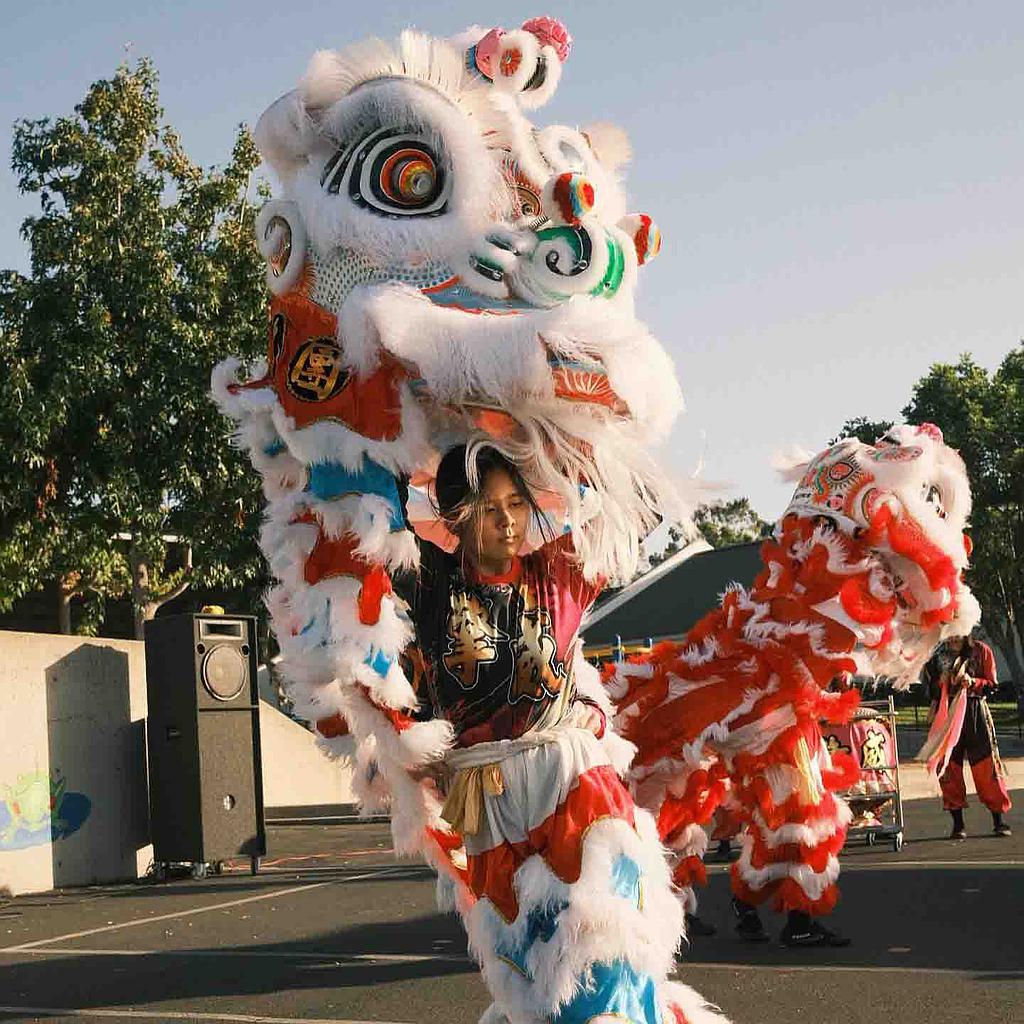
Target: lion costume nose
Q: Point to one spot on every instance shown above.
(645, 234)
(568, 198)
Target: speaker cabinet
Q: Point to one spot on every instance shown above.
(203, 739)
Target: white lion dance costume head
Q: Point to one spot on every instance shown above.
(444, 271)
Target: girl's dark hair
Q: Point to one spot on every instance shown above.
(460, 479)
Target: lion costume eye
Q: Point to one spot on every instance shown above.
(392, 172)
(528, 202)
(409, 177)
(933, 496)
(528, 210)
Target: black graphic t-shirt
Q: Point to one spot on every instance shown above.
(494, 654)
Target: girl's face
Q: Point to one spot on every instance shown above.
(498, 529)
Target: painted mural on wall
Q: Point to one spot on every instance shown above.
(37, 809)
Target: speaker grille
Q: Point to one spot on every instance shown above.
(224, 672)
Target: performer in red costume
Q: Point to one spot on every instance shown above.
(959, 677)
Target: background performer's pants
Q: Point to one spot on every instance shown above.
(976, 745)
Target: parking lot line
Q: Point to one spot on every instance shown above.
(269, 954)
(122, 1014)
(897, 863)
(276, 893)
(853, 969)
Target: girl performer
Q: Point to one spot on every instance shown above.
(573, 918)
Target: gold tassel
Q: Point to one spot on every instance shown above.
(808, 784)
(463, 807)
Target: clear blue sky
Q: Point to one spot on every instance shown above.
(840, 185)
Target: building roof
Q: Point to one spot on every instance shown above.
(673, 596)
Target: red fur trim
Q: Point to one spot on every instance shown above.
(332, 727)
(705, 790)
(791, 588)
(690, 871)
(815, 857)
(860, 604)
(787, 895)
(400, 720)
(838, 708)
(559, 839)
(845, 772)
(678, 1017)
(376, 584)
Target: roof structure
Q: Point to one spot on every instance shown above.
(673, 596)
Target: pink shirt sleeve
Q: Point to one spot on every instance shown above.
(564, 569)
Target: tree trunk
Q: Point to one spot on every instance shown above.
(67, 588)
(145, 603)
(63, 609)
(140, 592)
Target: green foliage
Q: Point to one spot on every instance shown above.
(724, 523)
(982, 415)
(860, 427)
(144, 273)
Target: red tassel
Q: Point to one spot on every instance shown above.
(332, 727)
(690, 871)
(376, 583)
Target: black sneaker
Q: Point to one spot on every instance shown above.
(698, 928)
(812, 934)
(1002, 829)
(958, 833)
(749, 926)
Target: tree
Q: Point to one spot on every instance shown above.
(860, 427)
(723, 523)
(982, 415)
(720, 523)
(115, 476)
(678, 535)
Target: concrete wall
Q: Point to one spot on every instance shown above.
(295, 772)
(73, 797)
(73, 781)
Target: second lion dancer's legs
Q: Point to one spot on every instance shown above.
(796, 826)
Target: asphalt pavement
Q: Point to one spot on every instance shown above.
(334, 930)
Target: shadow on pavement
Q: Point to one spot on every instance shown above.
(195, 975)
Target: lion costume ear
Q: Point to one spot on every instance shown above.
(525, 62)
(610, 144)
(791, 463)
(284, 135)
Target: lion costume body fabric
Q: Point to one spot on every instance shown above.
(863, 575)
(444, 271)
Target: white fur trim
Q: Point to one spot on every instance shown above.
(694, 1006)
(594, 927)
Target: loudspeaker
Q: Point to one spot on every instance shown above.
(203, 739)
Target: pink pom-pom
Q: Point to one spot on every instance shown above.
(551, 32)
(486, 50)
(930, 430)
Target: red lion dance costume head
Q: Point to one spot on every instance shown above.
(863, 574)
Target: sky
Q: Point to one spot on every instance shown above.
(840, 185)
